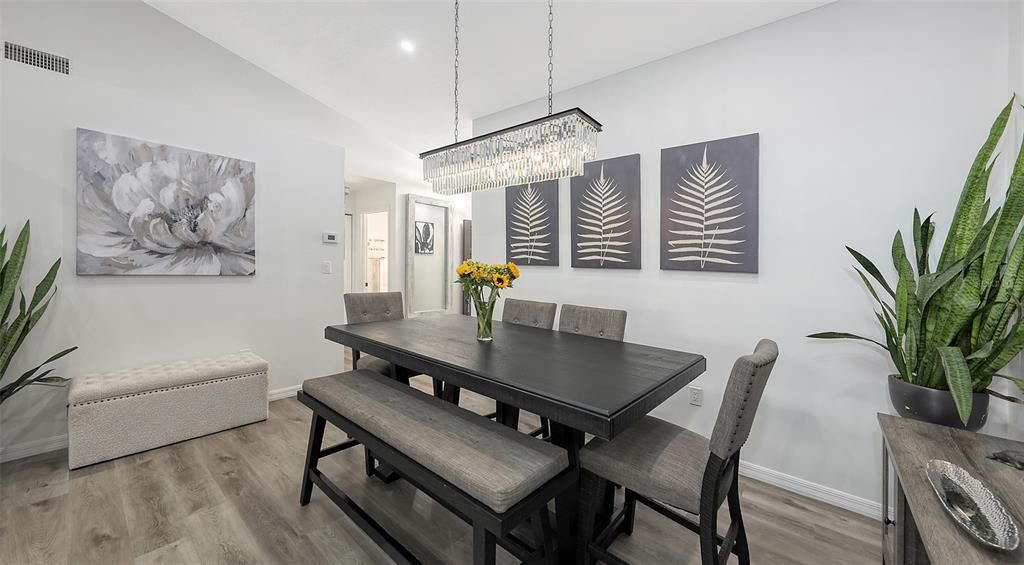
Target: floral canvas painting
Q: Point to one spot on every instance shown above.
(145, 208)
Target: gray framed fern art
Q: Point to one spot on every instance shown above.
(606, 214)
(709, 205)
(531, 223)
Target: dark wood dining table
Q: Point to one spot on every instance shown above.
(582, 385)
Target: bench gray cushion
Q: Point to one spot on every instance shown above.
(654, 458)
(494, 464)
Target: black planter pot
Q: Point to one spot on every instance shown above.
(934, 406)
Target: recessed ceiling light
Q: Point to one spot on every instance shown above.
(407, 46)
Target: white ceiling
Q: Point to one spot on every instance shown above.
(347, 55)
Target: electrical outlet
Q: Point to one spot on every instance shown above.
(326, 267)
(696, 396)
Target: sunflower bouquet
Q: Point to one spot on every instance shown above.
(475, 277)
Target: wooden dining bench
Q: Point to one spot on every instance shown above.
(491, 476)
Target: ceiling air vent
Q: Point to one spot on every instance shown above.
(37, 58)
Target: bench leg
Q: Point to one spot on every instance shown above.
(507, 415)
(316, 440)
(544, 537)
(371, 463)
(438, 388)
(630, 509)
(592, 489)
(484, 547)
(451, 394)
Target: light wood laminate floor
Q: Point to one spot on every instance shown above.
(232, 497)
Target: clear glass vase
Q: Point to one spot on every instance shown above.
(484, 313)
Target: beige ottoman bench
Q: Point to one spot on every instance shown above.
(115, 414)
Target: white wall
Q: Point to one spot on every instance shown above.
(138, 73)
(865, 110)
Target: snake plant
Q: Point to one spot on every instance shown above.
(953, 326)
(14, 330)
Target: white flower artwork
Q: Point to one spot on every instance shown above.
(150, 209)
(606, 214)
(709, 206)
(531, 223)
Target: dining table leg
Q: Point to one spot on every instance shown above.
(507, 415)
(567, 503)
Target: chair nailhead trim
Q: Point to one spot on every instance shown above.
(746, 397)
(190, 385)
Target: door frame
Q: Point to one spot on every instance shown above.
(410, 251)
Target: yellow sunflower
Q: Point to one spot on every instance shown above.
(463, 269)
(479, 274)
(501, 281)
(513, 269)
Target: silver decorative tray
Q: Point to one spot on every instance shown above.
(973, 506)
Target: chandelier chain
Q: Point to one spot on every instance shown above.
(551, 55)
(457, 71)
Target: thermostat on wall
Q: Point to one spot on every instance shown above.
(330, 237)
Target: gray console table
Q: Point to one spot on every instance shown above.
(921, 532)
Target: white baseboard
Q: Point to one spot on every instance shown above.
(34, 447)
(815, 491)
(284, 392)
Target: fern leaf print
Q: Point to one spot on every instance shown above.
(707, 216)
(606, 214)
(709, 206)
(603, 223)
(531, 223)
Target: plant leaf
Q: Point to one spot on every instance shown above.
(28, 374)
(958, 377)
(982, 352)
(12, 270)
(871, 289)
(969, 210)
(43, 288)
(871, 269)
(906, 288)
(844, 335)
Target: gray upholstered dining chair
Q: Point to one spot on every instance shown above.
(365, 307)
(529, 313)
(593, 322)
(524, 313)
(589, 321)
(663, 465)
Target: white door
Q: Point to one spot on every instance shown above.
(376, 267)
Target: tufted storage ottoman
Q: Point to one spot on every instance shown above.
(123, 412)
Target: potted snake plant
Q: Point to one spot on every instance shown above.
(19, 316)
(950, 327)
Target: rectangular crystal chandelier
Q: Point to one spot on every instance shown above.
(547, 148)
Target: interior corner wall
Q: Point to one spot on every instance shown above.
(1016, 39)
(138, 73)
(865, 110)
